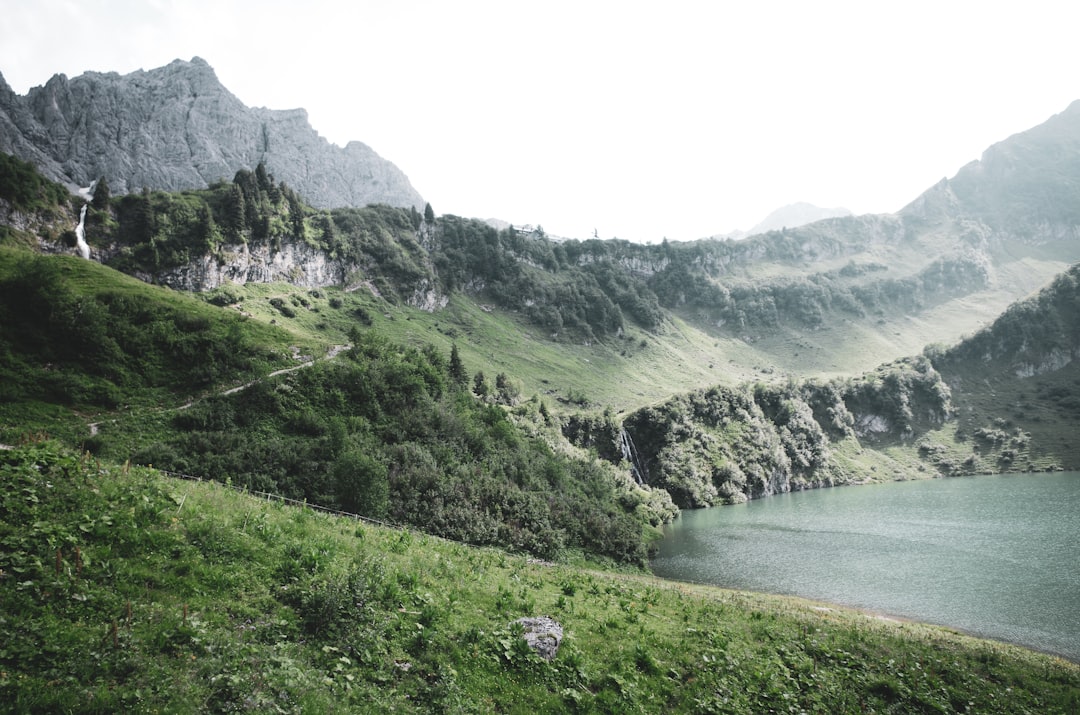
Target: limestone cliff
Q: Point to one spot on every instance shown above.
(176, 127)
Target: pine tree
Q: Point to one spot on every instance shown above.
(481, 388)
(262, 179)
(235, 213)
(429, 213)
(101, 198)
(296, 213)
(458, 374)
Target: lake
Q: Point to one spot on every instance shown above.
(996, 556)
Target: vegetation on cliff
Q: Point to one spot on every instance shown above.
(729, 444)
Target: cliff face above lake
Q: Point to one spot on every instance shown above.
(176, 127)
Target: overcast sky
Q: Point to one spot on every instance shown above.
(639, 120)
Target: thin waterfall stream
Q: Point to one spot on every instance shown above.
(80, 230)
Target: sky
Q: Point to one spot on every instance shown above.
(634, 120)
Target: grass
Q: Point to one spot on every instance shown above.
(1004, 424)
(123, 590)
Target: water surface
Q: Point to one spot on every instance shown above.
(997, 556)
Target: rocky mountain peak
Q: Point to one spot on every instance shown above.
(177, 127)
(1024, 182)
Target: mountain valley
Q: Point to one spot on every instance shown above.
(308, 327)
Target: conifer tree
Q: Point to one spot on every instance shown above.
(262, 179)
(101, 198)
(235, 212)
(481, 388)
(458, 373)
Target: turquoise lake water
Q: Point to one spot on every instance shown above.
(996, 556)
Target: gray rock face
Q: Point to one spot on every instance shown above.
(543, 634)
(177, 127)
(295, 263)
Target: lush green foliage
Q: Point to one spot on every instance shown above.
(1032, 336)
(725, 445)
(123, 591)
(550, 283)
(382, 243)
(1016, 383)
(389, 433)
(158, 230)
(26, 189)
(69, 341)
(811, 300)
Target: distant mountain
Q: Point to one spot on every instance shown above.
(790, 216)
(1023, 185)
(177, 127)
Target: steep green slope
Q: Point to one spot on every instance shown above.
(384, 429)
(1016, 384)
(123, 591)
(79, 337)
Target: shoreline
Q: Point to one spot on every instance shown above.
(822, 607)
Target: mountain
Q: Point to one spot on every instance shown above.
(176, 127)
(790, 216)
(1026, 185)
(838, 296)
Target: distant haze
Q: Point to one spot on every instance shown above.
(790, 216)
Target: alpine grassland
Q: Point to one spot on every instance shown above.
(124, 590)
(337, 486)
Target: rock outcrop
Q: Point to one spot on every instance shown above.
(176, 127)
(295, 263)
(543, 634)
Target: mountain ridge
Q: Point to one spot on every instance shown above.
(177, 127)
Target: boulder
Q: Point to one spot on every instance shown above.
(543, 634)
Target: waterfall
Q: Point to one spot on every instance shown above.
(80, 234)
(80, 230)
(630, 454)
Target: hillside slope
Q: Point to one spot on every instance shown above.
(124, 591)
(1006, 398)
(1016, 384)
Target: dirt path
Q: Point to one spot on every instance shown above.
(333, 352)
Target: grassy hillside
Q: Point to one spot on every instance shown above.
(124, 591)
(473, 383)
(80, 339)
(1016, 387)
(136, 372)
